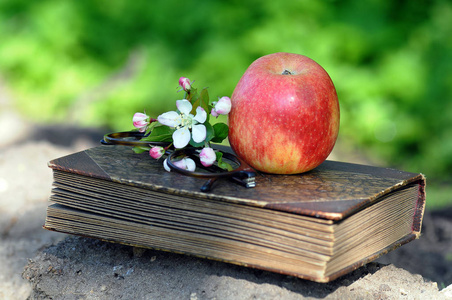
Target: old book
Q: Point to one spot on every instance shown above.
(317, 225)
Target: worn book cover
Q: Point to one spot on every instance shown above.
(317, 225)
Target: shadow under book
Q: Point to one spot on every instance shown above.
(318, 225)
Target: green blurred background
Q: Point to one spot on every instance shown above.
(94, 63)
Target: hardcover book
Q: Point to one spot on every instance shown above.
(317, 225)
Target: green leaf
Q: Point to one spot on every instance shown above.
(210, 132)
(160, 134)
(221, 131)
(140, 149)
(202, 101)
(196, 145)
(151, 127)
(222, 164)
(192, 96)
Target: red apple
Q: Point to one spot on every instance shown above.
(285, 114)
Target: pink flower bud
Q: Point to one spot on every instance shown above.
(207, 157)
(140, 121)
(156, 152)
(184, 83)
(222, 107)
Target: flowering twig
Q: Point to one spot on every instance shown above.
(189, 125)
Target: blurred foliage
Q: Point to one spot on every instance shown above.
(96, 62)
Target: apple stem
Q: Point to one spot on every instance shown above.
(286, 72)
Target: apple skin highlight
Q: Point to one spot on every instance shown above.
(284, 117)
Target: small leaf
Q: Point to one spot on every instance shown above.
(160, 134)
(196, 145)
(210, 132)
(150, 128)
(202, 101)
(221, 131)
(192, 96)
(140, 149)
(204, 98)
(222, 164)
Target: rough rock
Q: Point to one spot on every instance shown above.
(82, 268)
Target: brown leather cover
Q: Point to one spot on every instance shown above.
(333, 190)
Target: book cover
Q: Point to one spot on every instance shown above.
(317, 225)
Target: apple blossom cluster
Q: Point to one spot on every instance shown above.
(188, 125)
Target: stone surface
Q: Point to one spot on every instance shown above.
(82, 268)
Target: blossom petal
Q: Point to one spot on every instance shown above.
(207, 156)
(141, 125)
(201, 115)
(181, 164)
(181, 137)
(223, 106)
(190, 164)
(165, 165)
(185, 164)
(171, 119)
(138, 117)
(199, 133)
(184, 106)
(214, 112)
